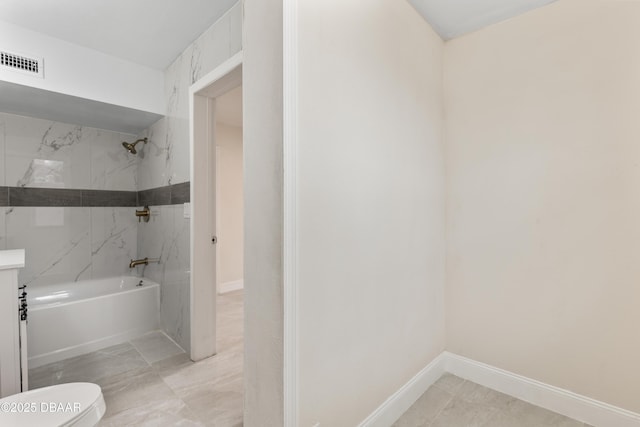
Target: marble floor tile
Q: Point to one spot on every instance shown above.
(523, 414)
(150, 381)
(477, 394)
(454, 402)
(460, 413)
(168, 413)
(214, 373)
(449, 383)
(88, 367)
(218, 407)
(155, 346)
(134, 389)
(171, 365)
(230, 323)
(426, 409)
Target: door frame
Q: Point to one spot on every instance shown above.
(217, 208)
(288, 360)
(203, 283)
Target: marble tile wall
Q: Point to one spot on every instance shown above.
(76, 243)
(165, 161)
(3, 229)
(166, 236)
(67, 243)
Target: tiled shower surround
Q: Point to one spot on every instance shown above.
(165, 161)
(67, 243)
(71, 243)
(82, 242)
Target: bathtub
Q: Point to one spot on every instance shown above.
(68, 320)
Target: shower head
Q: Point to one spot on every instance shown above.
(132, 147)
(129, 147)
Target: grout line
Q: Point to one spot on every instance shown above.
(155, 332)
(457, 389)
(493, 415)
(443, 408)
(140, 353)
(172, 340)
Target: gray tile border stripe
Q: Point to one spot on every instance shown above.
(106, 198)
(4, 196)
(27, 196)
(155, 196)
(180, 193)
(52, 197)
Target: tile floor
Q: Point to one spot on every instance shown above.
(454, 402)
(150, 381)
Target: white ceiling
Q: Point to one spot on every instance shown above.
(453, 18)
(155, 32)
(229, 107)
(147, 32)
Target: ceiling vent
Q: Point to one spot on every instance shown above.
(22, 64)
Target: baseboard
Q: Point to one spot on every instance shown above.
(572, 405)
(225, 287)
(398, 403)
(567, 403)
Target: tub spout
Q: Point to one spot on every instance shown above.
(145, 261)
(135, 262)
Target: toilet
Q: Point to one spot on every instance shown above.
(73, 404)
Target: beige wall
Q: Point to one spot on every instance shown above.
(543, 187)
(229, 203)
(371, 205)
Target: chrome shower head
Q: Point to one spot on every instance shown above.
(131, 148)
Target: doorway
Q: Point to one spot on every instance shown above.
(217, 232)
(229, 192)
(204, 96)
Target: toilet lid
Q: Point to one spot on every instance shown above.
(58, 405)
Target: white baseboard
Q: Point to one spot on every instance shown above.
(567, 403)
(398, 403)
(225, 287)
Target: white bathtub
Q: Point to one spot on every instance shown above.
(68, 320)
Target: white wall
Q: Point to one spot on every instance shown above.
(75, 70)
(371, 205)
(263, 213)
(229, 203)
(543, 190)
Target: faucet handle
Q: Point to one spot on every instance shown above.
(145, 213)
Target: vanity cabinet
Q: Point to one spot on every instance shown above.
(10, 363)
